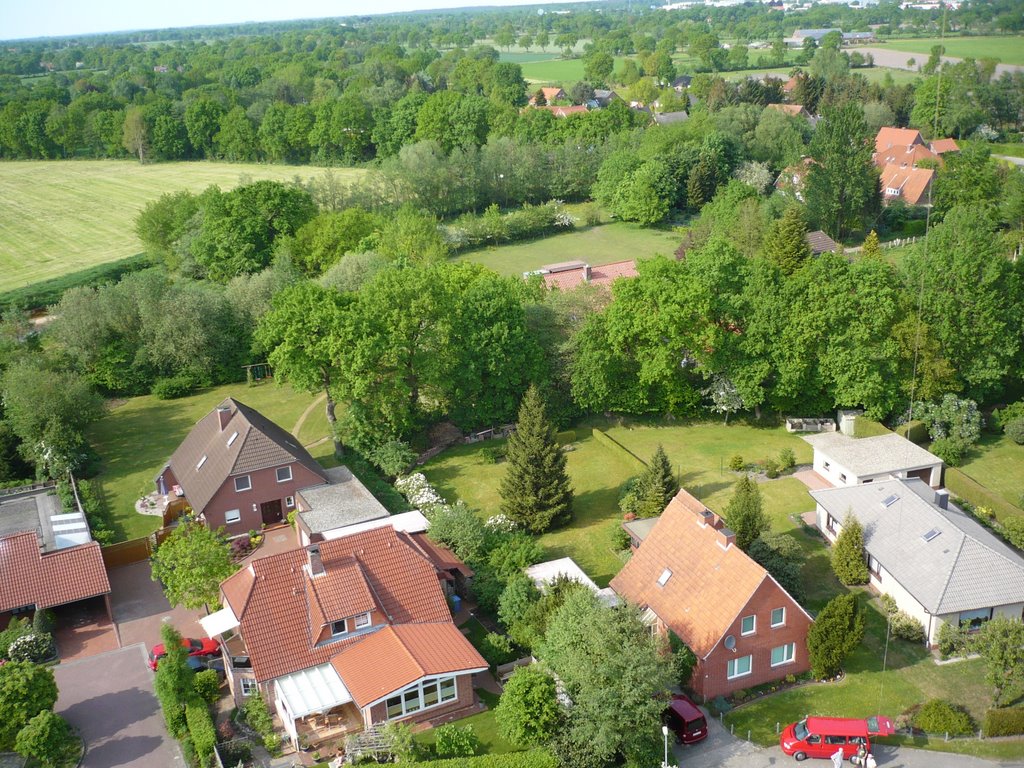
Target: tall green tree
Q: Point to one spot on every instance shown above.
(842, 184)
(535, 491)
(849, 562)
(1001, 643)
(836, 632)
(302, 332)
(191, 564)
(529, 713)
(785, 242)
(745, 515)
(174, 682)
(26, 689)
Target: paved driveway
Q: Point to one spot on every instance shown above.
(720, 750)
(140, 607)
(110, 699)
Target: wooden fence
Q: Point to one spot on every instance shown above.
(134, 550)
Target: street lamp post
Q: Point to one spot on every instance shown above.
(664, 732)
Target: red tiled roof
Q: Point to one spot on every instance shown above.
(911, 183)
(340, 592)
(442, 557)
(794, 110)
(887, 138)
(270, 597)
(564, 111)
(412, 651)
(604, 274)
(709, 585)
(28, 577)
(941, 146)
(908, 156)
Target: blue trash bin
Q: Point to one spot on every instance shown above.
(456, 603)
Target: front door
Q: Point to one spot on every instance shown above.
(271, 511)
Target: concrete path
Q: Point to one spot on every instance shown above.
(721, 750)
(110, 699)
(320, 400)
(897, 59)
(1009, 159)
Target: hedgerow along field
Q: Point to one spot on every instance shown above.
(63, 216)
(1008, 49)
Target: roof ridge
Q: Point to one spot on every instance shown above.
(952, 567)
(408, 652)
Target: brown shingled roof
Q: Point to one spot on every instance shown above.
(28, 577)
(270, 597)
(942, 146)
(820, 243)
(260, 444)
(411, 651)
(709, 585)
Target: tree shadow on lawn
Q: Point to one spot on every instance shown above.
(588, 539)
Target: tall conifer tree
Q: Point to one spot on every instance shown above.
(535, 491)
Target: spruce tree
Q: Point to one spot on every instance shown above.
(833, 636)
(745, 514)
(871, 249)
(535, 491)
(848, 559)
(656, 486)
(785, 243)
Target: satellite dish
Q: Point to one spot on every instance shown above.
(730, 642)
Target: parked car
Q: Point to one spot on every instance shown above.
(824, 736)
(685, 719)
(204, 647)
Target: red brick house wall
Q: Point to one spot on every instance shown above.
(710, 677)
(465, 696)
(264, 488)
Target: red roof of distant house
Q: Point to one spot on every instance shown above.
(275, 605)
(887, 138)
(411, 651)
(689, 577)
(566, 279)
(910, 184)
(908, 156)
(794, 110)
(442, 557)
(942, 146)
(29, 577)
(789, 85)
(564, 111)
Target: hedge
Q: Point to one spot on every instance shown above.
(961, 485)
(617, 447)
(201, 730)
(865, 427)
(468, 231)
(915, 431)
(565, 437)
(534, 758)
(1004, 722)
(47, 292)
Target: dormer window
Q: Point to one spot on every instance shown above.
(339, 628)
(363, 621)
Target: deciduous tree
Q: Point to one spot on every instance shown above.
(191, 564)
(1001, 643)
(26, 689)
(48, 739)
(529, 713)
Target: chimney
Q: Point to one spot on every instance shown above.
(316, 565)
(942, 498)
(704, 516)
(223, 415)
(726, 538)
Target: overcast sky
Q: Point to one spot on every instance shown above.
(55, 18)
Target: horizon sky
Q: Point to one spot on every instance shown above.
(62, 18)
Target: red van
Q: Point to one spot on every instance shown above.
(685, 720)
(823, 736)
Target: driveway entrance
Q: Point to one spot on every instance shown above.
(140, 607)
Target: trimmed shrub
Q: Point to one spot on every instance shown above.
(174, 387)
(771, 468)
(787, 459)
(452, 741)
(736, 463)
(949, 449)
(1004, 722)
(618, 535)
(902, 624)
(1015, 431)
(35, 647)
(939, 716)
(1014, 528)
(207, 685)
(915, 430)
(201, 730)
(44, 621)
(15, 629)
(534, 758)
(240, 547)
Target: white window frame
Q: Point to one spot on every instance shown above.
(248, 481)
(753, 626)
(277, 473)
(733, 665)
(788, 654)
(334, 630)
(782, 621)
(363, 620)
(874, 567)
(249, 686)
(408, 705)
(228, 519)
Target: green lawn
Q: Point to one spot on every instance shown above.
(560, 72)
(61, 216)
(1008, 49)
(1013, 150)
(595, 245)
(484, 726)
(135, 439)
(998, 463)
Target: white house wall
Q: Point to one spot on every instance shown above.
(834, 470)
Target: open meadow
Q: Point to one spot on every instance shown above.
(595, 245)
(1008, 49)
(62, 216)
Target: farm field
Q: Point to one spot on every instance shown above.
(137, 436)
(1008, 49)
(595, 245)
(873, 74)
(556, 71)
(61, 216)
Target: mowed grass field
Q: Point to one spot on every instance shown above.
(1008, 49)
(558, 71)
(61, 216)
(595, 245)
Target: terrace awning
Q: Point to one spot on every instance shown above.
(316, 689)
(219, 622)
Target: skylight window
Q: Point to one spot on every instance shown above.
(201, 462)
(931, 534)
(234, 436)
(888, 501)
(665, 576)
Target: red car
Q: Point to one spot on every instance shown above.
(685, 719)
(824, 736)
(205, 647)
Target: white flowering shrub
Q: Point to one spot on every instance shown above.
(501, 524)
(418, 490)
